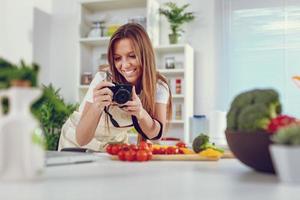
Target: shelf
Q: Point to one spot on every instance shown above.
(177, 96)
(171, 71)
(96, 41)
(96, 5)
(176, 122)
(83, 87)
(170, 48)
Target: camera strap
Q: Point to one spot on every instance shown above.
(141, 132)
(113, 121)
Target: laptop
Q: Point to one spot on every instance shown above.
(66, 157)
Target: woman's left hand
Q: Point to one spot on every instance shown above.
(134, 107)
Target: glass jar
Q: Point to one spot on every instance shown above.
(96, 30)
(86, 78)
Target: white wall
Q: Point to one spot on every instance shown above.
(16, 19)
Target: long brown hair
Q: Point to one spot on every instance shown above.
(144, 52)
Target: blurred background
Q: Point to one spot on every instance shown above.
(238, 45)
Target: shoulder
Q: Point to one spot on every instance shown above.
(99, 76)
(162, 92)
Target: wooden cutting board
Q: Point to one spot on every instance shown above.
(186, 157)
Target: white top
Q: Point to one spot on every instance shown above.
(162, 91)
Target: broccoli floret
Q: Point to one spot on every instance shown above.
(252, 110)
(200, 140)
(254, 117)
(201, 143)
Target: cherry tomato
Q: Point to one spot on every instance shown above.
(155, 150)
(121, 155)
(180, 151)
(172, 150)
(150, 146)
(162, 151)
(181, 144)
(141, 155)
(115, 149)
(125, 147)
(143, 146)
(130, 155)
(108, 148)
(133, 147)
(149, 155)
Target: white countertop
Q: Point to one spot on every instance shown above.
(107, 179)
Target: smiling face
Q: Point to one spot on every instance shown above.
(126, 61)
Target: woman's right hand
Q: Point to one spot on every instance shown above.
(102, 95)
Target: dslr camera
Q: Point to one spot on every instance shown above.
(121, 93)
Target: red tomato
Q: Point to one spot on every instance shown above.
(125, 147)
(180, 151)
(155, 150)
(108, 148)
(115, 149)
(130, 155)
(143, 146)
(149, 155)
(133, 147)
(181, 144)
(150, 146)
(121, 155)
(162, 151)
(172, 150)
(141, 155)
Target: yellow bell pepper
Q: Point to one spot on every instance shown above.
(211, 153)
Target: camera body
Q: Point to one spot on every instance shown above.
(122, 93)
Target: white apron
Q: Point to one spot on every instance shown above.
(103, 134)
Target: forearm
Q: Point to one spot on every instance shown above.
(149, 126)
(87, 125)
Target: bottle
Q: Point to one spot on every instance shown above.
(22, 142)
(86, 78)
(178, 86)
(178, 111)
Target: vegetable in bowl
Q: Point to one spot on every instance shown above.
(252, 110)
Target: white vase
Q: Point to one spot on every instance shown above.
(286, 161)
(21, 139)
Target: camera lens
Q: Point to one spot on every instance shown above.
(122, 96)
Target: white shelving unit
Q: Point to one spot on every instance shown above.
(91, 49)
(183, 57)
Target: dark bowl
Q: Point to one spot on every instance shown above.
(252, 149)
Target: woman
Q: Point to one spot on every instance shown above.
(132, 61)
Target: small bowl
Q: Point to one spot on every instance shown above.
(252, 149)
(287, 162)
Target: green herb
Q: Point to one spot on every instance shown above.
(52, 112)
(288, 135)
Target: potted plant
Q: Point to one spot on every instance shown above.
(176, 16)
(285, 153)
(51, 110)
